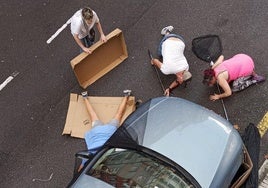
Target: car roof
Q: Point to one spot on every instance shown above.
(202, 142)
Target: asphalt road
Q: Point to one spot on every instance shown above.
(35, 103)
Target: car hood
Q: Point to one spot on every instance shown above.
(200, 141)
(89, 181)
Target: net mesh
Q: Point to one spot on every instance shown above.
(208, 48)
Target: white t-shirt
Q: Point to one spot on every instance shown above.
(79, 26)
(174, 60)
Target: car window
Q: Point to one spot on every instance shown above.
(133, 169)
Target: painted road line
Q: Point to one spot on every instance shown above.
(58, 31)
(263, 125)
(9, 79)
(263, 170)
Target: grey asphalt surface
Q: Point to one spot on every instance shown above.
(34, 105)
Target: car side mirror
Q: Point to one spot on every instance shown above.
(81, 158)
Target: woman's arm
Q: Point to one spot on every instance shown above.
(78, 41)
(175, 83)
(103, 37)
(222, 81)
(219, 61)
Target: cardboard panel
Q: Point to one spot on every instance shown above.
(104, 57)
(78, 120)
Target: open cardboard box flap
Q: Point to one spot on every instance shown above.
(104, 57)
(78, 121)
(244, 171)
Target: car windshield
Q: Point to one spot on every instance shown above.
(130, 168)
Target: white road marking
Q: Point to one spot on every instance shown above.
(9, 79)
(58, 31)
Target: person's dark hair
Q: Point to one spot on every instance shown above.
(87, 13)
(208, 75)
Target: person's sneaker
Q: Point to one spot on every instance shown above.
(258, 78)
(167, 30)
(84, 94)
(127, 92)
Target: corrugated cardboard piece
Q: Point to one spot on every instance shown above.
(104, 57)
(78, 120)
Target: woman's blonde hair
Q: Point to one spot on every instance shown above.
(87, 13)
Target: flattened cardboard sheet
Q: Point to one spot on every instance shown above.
(104, 57)
(78, 121)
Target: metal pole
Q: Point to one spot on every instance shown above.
(224, 109)
(157, 73)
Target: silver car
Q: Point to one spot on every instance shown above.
(168, 142)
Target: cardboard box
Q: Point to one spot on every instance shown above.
(78, 120)
(104, 57)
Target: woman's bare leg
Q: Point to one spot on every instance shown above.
(122, 107)
(91, 111)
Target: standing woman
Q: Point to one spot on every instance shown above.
(82, 23)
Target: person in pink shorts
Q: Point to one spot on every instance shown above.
(226, 71)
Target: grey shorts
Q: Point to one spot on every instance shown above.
(113, 122)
